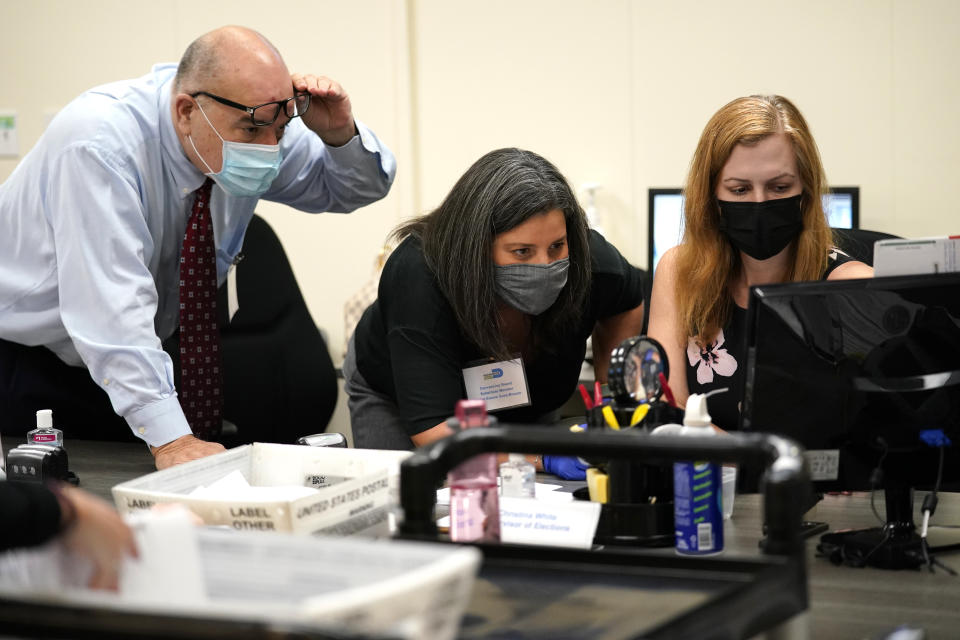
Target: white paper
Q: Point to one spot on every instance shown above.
(556, 519)
(167, 567)
(542, 491)
(234, 486)
(48, 568)
(550, 493)
(567, 524)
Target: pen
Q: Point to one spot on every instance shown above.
(597, 394)
(666, 389)
(588, 403)
(610, 418)
(639, 414)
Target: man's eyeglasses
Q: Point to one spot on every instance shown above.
(267, 113)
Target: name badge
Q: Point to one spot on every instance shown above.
(502, 385)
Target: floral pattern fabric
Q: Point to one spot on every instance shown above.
(712, 358)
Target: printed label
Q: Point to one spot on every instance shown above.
(824, 464)
(559, 524)
(255, 518)
(370, 490)
(502, 385)
(705, 536)
(318, 481)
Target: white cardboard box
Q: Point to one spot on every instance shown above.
(317, 585)
(357, 488)
(916, 255)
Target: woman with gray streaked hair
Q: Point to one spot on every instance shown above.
(503, 276)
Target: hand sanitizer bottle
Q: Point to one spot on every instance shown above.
(518, 478)
(697, 493)
(45, 433)
(474, 502)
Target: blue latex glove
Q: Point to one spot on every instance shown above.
(566, 467)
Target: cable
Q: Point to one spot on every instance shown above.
(883, 541)
(715, 391)
(876, 479)
(928, 509)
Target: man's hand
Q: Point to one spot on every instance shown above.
(184, 449)
(330, 115)
(94, 530)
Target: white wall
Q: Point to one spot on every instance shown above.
(54, 49)
(617, 92)
(612, 91)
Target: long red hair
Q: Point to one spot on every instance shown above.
(706, 261)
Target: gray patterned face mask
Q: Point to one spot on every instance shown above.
(531, 288)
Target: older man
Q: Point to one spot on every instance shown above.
(117, 227)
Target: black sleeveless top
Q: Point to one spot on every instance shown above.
(721, 364)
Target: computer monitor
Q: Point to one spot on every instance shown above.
(842, 206)
(865, 375)
(664, 222)
(665, 216)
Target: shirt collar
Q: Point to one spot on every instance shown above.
(186, 176)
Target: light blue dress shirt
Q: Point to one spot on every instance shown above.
(92, 221)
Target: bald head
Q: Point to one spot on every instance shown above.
(226, 56)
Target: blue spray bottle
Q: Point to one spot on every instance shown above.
(697, 488)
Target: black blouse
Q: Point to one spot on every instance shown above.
(410, 348)
(720, 364)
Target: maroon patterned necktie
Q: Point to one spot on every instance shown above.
(200, 380)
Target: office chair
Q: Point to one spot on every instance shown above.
(279, 382)
(858, 243)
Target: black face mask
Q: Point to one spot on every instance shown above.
(762, 229)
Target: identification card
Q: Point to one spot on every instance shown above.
(502, 385)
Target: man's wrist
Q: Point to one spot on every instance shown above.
(341, 137)
(166, 445)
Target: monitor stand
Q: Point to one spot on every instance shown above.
(808, 528)
(895, 545)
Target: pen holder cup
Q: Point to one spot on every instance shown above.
(621, 413)
(636, 525)
(597, 422)
(639, 507)
(595, 419)
(639, 511)
(662, 413)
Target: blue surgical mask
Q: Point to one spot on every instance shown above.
(248, 169)
(531, 288)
